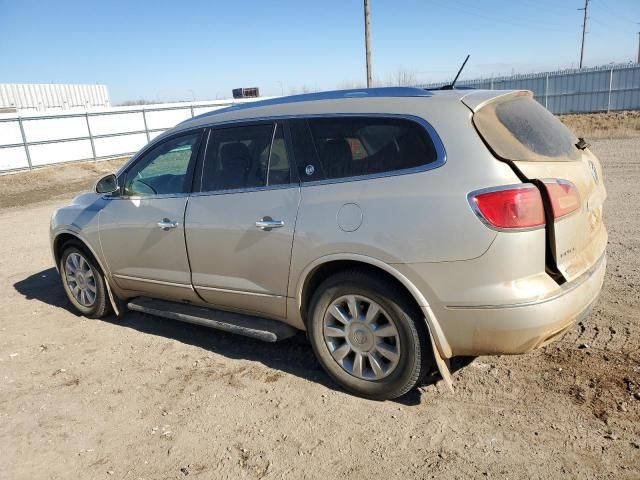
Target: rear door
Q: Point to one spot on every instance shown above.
(541, 149)
(240, 225)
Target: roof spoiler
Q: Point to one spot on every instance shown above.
(477, 99)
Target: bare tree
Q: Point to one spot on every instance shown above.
(403, 78)
(129, 103)
(348, 84)
(302, 89)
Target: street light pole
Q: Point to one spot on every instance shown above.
(367, 42)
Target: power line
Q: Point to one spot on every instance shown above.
(480, 14)
(611, 9)
(537, 5)
(610, 29)
(612, 15)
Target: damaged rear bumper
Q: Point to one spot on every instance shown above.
(516, 328)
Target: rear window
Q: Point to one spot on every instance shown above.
(522, 129)
(356, 146)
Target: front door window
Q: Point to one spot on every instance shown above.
(163, 170)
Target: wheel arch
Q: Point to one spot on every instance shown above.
(65, 237)
(322, 268)
(316, 272)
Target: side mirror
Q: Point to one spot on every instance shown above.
(107, 184)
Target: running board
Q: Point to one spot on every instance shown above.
(254, 327)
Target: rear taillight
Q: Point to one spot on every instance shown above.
(510, 207)
(564, 197)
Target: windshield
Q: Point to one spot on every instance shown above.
(521, 129)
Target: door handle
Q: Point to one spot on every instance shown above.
(166, 224)
(268, 223)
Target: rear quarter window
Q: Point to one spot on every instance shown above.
(358, 146)
(521, 129)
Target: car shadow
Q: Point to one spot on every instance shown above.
(293, 355)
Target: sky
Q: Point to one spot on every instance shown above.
(200, 49)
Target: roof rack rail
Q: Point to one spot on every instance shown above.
(328, 95)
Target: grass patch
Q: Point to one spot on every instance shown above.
(604, 125)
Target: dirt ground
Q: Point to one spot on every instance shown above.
(52, 182)
(145, 397)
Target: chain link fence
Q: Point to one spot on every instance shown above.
(599, 89)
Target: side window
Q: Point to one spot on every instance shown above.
(354, 146)
(237, 157)
(164, 169)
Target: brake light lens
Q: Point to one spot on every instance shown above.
(510, 207)
(564, 197)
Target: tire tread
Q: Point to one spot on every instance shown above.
(422, 360)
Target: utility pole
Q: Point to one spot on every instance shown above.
(367, 42)
(584, 29)
(638, 48)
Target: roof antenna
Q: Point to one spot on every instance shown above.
(452, 85)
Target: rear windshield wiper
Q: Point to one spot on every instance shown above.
(582, 144)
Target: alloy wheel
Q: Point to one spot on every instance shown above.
(361, 337)
(80, 279)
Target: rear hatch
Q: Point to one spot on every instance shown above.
(541, 150)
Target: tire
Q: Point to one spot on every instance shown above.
(94, 302)
(398, 328)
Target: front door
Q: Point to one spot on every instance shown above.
(142, 229)
(239, 227)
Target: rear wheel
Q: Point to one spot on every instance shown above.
(368, 335)
(83, 283)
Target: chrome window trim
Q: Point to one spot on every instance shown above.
(441, 156)
(478, 213)
(157, 282)
(245, 190)
(146, 197)
(240, 292)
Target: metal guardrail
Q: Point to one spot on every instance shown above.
(91, 137)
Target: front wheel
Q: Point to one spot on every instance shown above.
(83, 283)
(368, 336)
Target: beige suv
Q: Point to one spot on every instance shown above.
(399, 227)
